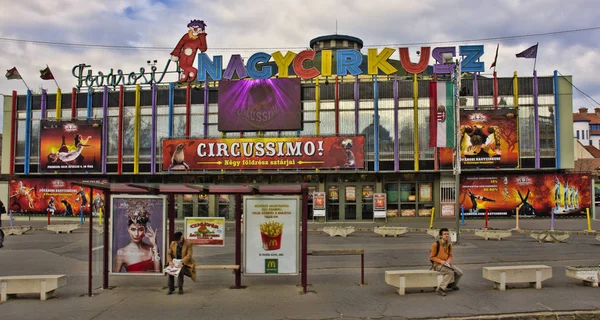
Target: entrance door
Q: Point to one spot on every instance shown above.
(333, 202)
(350, 201)
(350, 196)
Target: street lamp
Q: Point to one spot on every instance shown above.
(455, 77)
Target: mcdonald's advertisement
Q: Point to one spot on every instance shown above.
(271, 235)
(263, 153)
(538, 195)
(70, 145)
(56, 197)
(488, 139)
(205, 231)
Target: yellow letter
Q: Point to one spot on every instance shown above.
(326, 63)
(283, 63)
(379, 61)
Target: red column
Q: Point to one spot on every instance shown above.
(337, 106)
(13, 132)
(73, 103)
(188, 109)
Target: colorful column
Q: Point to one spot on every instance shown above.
(475, 91)
(337, 106)
(495, 90)
(318, 107)
(104, 129)
(13, 132)
(153, 135)
(74, 103)
(188, 110)
(556, 119)
(537, 122)
(206, 97)
(136, 131)
(516, 103)
(416, 119)
(356, 103)
(120, 133)
(376, 123)
(89, 103)
(27, 152)
(396, 106)
(58, 104)
(171, 106)
(43, 106)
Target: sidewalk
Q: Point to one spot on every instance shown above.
(333, 291)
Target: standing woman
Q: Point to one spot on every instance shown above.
(138, 255)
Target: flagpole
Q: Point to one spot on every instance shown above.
(57, 86)
(53, 78)
(537, 47)
(25, 84)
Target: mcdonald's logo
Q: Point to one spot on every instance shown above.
(273, 243)
(271, 266)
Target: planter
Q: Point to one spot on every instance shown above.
(588, 274)
(390, 231)
(598, 238)
(16, 230)
(99, 229)
(338, 231)
(550, 236)
(493, 234)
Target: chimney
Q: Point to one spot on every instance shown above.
(582, 110)
(597, 111)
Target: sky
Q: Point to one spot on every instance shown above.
(248, 26)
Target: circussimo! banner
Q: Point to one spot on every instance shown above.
(56, 197)
(70, 146)
(260, 105)
(138, 234)
(263, 153)
(534, 194)
(488, 139)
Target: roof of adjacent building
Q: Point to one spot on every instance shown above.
(336, 37)
(593, 150)
(584, 115)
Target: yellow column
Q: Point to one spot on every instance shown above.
(136, 131)
(416, 119)
(58, 104)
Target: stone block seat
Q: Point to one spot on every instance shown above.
(42, 284)
(533, 274)
(403, 279)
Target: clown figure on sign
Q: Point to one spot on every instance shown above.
(347, 144)
(185, 51)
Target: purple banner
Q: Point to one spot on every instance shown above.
(260, 105)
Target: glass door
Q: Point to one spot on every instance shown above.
(333, 202)
(350, 203)
(367, 201)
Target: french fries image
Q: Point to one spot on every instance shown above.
(270, 233)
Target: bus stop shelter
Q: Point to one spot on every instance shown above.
(170, 190)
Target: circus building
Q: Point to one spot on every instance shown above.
(353, 123)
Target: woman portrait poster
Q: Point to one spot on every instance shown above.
(138, 224)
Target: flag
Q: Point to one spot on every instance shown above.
(46, 74)
(441, 114)
(13, 74)
(495, 57)
(529, 53)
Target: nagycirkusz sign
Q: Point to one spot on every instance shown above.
(303, 63)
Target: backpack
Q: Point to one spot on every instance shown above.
(437, 250)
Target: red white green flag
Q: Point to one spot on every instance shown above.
(441, 114)
(13, 74)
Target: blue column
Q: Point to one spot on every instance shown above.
(89, 104)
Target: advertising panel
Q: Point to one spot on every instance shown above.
(205, 231)
(271, 234)
(74, 145)
(319, 200)
(535, 194)
(260, 105)
(263, 153)
(137, 237)
(37, 196)
(488, 139)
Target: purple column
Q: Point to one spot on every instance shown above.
(153, 141)
(206, 109)
(104, 128)
(356, 104)
(537, 122)
(475, 91)
(396, 106)
(44, 102)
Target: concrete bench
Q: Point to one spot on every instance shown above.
(533, 274)
(66, 228)
(42, 284)
(16, 230)
(218, 267)
(403, 279)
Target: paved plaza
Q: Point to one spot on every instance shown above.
(334, 290)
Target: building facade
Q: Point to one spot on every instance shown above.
(391, 112)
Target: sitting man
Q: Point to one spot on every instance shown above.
(180, 256)
(441, 257)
